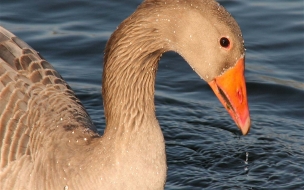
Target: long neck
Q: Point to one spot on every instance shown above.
(134, 49)
(130, 67)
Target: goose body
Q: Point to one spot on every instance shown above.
(48, 140)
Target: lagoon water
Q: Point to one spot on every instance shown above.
(204, 147)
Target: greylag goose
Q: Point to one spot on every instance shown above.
(48, 140)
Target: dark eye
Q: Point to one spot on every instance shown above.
(224, 42)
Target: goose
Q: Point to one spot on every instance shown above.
(48, 140)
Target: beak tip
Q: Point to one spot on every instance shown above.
(245, 128)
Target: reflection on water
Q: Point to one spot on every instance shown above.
(289, 83)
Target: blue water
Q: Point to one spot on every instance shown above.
(204, 147)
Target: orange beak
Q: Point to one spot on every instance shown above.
(230, 89)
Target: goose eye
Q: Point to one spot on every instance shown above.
(224, 42)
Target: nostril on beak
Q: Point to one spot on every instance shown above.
(240, 95)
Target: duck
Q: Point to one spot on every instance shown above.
(49, 141)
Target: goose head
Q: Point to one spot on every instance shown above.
(210, 40)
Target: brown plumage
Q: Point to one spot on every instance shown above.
(47, 138)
